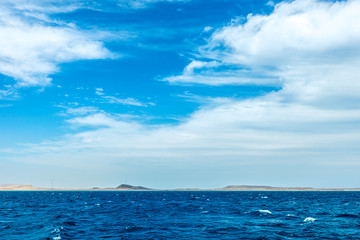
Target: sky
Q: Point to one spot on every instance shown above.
(180, 93)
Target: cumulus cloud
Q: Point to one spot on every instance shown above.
(297, 32)
(301, 33)
(33, 45)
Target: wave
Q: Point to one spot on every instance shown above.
(309, 220)
(264, 212)
(259, 212)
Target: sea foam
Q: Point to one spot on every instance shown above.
(265, 212)
(309, 220)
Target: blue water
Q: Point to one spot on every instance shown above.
(179, 215)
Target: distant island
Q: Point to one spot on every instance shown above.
(127, 187)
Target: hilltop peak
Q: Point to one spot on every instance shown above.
(130, 187)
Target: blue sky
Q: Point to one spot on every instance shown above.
(182, 93)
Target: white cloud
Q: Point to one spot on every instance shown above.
(124, 101)
(116, 100)
(97, 119)
(234, 135)
(208, 29)
(217, 73)
(45, 6)
(297, 31)
(143, 3)
(81, 111)
(310, 127)
(99, 91)
(204, 99)
(302, 33)
(270, 3)
(209, 73)
(33, 46)
(8, 93)
(191, 67)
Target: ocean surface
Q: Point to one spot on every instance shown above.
(179, 215)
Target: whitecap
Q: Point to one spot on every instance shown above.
(309, 220)
(265, 212)
(57, 230)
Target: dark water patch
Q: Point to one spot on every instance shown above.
(348, 215)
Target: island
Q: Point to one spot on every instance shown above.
(127, 187)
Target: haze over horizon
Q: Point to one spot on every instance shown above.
(180, 93)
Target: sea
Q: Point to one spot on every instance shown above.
(179, 215)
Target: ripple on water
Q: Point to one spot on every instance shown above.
(347, 215)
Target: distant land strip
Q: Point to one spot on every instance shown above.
(127, 187)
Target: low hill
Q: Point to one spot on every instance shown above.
(16, 187)
(246, 187)
(130, 187)
(264, 188)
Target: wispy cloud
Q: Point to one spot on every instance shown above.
(97, 119)
(33, 45)
(313, 122)
(205, 100)
(116, 100)
(235, 135)
(215, 73)
(26, 27)
(8, 93)
(144, 3)
(77, 111)
(5, 105)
